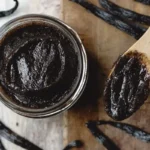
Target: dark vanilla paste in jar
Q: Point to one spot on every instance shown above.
(39, 65)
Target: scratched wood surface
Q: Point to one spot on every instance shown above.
(103, 44)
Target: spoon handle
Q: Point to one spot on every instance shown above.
(142, 45)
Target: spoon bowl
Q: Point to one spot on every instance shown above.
(127, 86)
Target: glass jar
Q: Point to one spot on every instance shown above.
(61, 105)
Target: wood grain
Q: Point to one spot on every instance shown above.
(103, 43)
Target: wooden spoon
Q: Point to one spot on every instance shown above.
(127, 86)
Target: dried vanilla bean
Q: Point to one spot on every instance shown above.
(74, 144)
(1, 146)
(9, 12)
(130, 129)
(132, 29)
(6, 133)
(103, 139)
(124, 13)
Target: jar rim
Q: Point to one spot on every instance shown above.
(62, 105)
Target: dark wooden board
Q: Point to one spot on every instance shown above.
(103, 44)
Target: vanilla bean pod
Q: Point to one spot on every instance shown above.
(124, 13)
(1, 146)
(74, 144)
(9, 135)
(103, 139)
(9, 12)
(132, 29)
(130, 129)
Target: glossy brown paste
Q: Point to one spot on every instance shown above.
(127, 88)
(39, 65)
